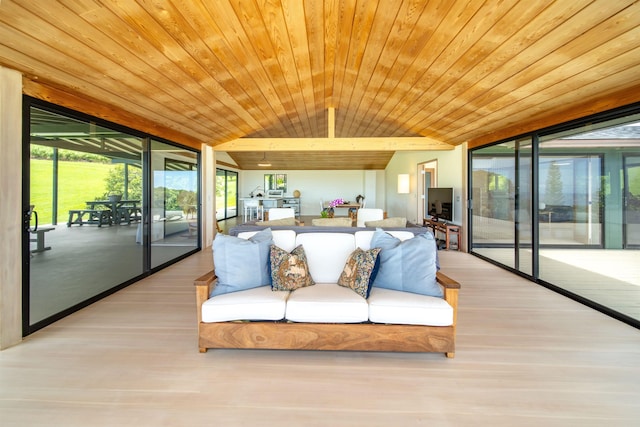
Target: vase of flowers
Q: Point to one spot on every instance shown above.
(333, 204)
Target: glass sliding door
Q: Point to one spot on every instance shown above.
(85, 189)
(524, 207)
(107, 205)
(174, 202)
(501, 208)
(632, 202)
(493, 203)
(573, 195)
(226, 194)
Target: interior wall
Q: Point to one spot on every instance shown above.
(10, 207)
(450, 174)
(316, 185)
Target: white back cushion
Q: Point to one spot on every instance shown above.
(363, 238)
(284, 239)
(326, 254)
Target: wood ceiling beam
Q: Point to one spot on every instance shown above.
(334, 144)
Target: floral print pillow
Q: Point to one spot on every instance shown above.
(360, 270)
(289, 271)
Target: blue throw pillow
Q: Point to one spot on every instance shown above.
(408, 265)
(241, 264)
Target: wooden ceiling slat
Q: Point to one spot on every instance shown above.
(362, 45)
(346, 12)
(541, 102)
(293, 20)
(331, 18)
(107, 112)
(611, 100)
(195, 79)
(414, 77)
(398, 39)
(179, 23)
(156, 84)
(472, 64)
(410, 65)
(453, 71)
(250, 19)
(36, 67)
(463, 53)
(288, 31)
(520, 74)
(315, 24)
(100, 72)
(615, 57)
(323, 161)
(233, 50)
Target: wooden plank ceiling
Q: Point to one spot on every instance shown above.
(256, 76)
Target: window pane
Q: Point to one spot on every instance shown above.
(589, 184)
(84, 241)
(493, 192)
(174, 202)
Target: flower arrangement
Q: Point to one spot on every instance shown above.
(336, 202)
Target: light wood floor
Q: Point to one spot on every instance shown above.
(525, 357)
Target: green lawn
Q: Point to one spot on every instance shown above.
(77, 183)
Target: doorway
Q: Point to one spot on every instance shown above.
(427, 178)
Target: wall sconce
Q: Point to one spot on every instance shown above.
(403, 183)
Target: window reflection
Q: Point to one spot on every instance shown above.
(587, 210)
(89, 187)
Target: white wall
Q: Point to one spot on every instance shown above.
(326, 185)
(450, 166)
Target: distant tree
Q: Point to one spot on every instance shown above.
(553, 186)
(115, 182)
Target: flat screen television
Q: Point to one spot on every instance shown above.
(440, 203)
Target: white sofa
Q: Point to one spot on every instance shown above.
(327, 316)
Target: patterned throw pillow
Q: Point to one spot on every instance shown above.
(289, 271)
(360, 271)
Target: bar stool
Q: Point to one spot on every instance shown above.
(252, 207)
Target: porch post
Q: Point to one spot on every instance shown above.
(10, 207)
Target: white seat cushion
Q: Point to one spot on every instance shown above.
(406, 308)
(326, 303)
(252, 304)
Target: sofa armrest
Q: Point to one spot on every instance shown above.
(451, 289)
(204, 285)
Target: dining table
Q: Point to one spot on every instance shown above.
(353, 209)
(113, 205)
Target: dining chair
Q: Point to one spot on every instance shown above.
(280, 213)
(368, 214)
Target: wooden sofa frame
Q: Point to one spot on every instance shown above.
(284, 335)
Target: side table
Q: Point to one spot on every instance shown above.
(445, 228)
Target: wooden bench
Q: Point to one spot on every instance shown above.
(94, 216)
(39, 240)
(128, 214)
